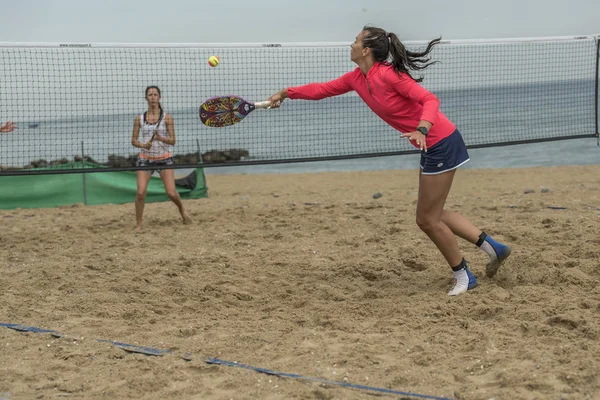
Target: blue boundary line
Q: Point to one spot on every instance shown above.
(216, 361)
(321, 380)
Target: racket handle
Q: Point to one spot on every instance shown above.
(262, 104)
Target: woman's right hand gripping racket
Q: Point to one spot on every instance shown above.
(221, 111)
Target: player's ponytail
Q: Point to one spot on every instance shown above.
(160, 116)
(387, 48)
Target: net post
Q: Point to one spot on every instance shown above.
(83, 175)
(597, 111)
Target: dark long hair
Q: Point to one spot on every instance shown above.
(160, 117)
(387, 48)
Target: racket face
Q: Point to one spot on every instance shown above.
(223, 111)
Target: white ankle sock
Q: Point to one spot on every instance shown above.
(461, 283)
(485, 246)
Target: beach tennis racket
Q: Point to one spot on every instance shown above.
(218, 112)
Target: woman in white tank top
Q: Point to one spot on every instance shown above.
(154, 135)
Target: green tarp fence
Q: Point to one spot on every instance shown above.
(51, 190)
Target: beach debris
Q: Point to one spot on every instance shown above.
(377, 195)
(527, 191)
(546, 190)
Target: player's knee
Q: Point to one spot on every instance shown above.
(425, 222)
(140, 195)
(173, 195)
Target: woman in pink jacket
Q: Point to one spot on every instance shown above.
(384, 82)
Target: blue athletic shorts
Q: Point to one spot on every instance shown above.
(446, 155)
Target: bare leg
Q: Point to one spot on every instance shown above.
(433, 191)
(143, 178)
(168, 178)
(461, 226)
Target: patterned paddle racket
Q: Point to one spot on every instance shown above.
(221, 111)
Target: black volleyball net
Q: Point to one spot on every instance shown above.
(75, 104)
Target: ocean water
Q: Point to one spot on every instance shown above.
(329, 128)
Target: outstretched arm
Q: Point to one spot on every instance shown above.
(314, 91)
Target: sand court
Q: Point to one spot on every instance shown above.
(308, 274)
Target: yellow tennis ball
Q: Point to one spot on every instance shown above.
(213, 61)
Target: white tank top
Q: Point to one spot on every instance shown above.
(159, 150)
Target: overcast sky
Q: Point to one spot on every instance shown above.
(177, 21)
